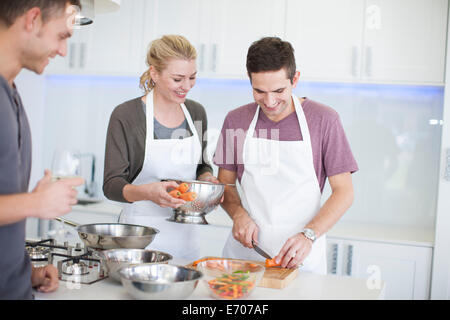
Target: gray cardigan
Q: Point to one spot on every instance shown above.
(125, 145)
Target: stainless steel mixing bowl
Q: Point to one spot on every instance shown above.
(115, 259)
(208, 198)
(159, 281)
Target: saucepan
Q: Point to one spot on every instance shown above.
(106, 236)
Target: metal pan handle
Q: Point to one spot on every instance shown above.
(70, 223)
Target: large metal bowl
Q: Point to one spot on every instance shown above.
(116, 235)
(106, 236)
(159, 281)
(115, 259)
(208, 198)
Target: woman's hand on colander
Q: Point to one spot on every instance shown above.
(244, 228)
(207, 176)
(158, 193)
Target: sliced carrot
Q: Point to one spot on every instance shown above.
(272, 263)
(188, 196)
(183, 187)
(195, 263)
(175, 193)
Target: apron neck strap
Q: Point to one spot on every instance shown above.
(149, 111)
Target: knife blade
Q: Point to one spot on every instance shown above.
(260, 251)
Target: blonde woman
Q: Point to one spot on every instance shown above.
(154, 137)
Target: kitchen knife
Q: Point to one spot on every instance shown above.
(260, 251)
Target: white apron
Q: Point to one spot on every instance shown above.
(166, 158)
(281, 193)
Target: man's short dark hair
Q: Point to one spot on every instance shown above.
(10, 10)
(271, 54)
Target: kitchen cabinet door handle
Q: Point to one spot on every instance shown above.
(82, 55)
(369, 54)
(72, 57)
(447, 165)
(349, 260)
(214, 58)
(354, 61)
(201, 62)
(334, 258)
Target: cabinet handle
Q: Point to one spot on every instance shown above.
(202, 57)
(72, 52)
(447, 165)
(82, 55)
(334, 259)
(349, 260)
(369, 61)
(354, 60)
(214, 58)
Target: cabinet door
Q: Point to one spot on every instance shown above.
(112, 45)
(116, 44)
(405, 41)
(234, 26)
(404, 269)
(186, 18)
(326, 36)
(77, 56)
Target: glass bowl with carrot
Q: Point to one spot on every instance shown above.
(230, 279)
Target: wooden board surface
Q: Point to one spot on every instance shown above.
(275, 277)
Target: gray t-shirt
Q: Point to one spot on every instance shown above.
(163, 132)
(15, 167)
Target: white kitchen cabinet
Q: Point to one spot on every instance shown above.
(378, 41)
(234, 26)
(186, 18)
(326, 36)
(221, 30)
(112, 45)
(404, 41)
(405, 269)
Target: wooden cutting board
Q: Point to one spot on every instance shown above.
(275, 277)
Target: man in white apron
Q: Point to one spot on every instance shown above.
(279, 206)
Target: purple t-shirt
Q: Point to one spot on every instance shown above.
(331, 150)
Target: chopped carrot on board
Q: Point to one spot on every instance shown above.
(272, 263)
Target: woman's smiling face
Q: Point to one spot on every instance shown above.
(176, 80)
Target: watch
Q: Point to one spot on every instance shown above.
(309, 234)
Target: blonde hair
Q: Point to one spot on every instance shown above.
(161, 51)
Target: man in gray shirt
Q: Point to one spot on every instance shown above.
(31, 32)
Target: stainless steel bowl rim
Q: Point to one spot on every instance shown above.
(118, 224)
(105, 253)
(198, 182)
(159, 281)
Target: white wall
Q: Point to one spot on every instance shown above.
(392, 130)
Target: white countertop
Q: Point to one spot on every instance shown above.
(306, 286)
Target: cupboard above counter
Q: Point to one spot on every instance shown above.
(375, 41)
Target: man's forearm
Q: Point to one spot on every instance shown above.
(232, 202)
(16, 207)
(332, 210)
